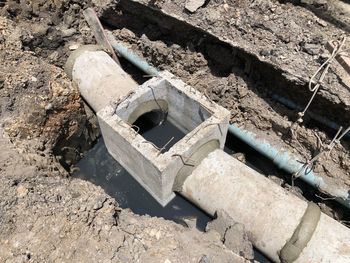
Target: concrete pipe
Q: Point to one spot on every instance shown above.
(99, 78)
(284, 227)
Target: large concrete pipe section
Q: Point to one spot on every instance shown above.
(99, 78)
(284, 227)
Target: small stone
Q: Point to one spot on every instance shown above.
(240, 157)
(193, 5)
(237, 240)
(321, 22)
(34, 79)
(311, 49)
(68, 32)
(232, 233)
(99, 204)
(49, 106)
(74, 47)
(22, 191)
(158, 235)
(204, 259)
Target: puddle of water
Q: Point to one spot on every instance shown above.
(100, 168)
(166, 134)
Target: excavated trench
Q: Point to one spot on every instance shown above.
(229, 76)
(265, 79)
(221, 63)
(186, 52)
(209, 64)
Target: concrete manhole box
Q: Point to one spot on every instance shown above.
(190, 111)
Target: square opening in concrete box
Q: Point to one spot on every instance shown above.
(173, 109)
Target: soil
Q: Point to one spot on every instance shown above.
(45, 215)
(334, 11)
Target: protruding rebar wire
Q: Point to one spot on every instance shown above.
(325, 66)
(165, 145)
(151, 143)
(165, 114)
(336, 139)
(183, 161)
(343, 134)
(137, 128)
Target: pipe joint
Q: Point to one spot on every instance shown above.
(302, 234)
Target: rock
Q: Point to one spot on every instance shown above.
(99, 203)
(204, 259)
(22, 191)
(312, 49)
(193, 5)
(232, 234)
(73, 46)
(321, 22)
(68, 32)
(49, 106)
(236, 239)
(240, 157)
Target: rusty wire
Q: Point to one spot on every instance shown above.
(156, 147)
(183, 161)
(120, 100)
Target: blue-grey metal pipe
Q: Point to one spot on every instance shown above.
(282, 159)
(285, 161)
(135, 59)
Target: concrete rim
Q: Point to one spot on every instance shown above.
(68, 67)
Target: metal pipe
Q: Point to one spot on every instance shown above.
(281, 158)
(135, 60)
(132, 57)
(285, 161)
